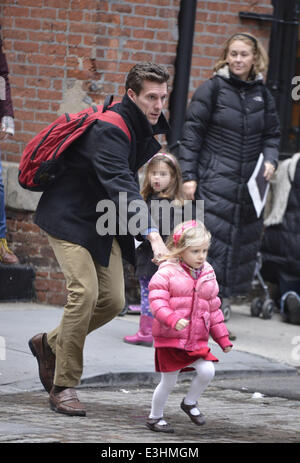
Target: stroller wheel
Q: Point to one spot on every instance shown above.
(268, 309)
(256, 307)
(226, 309)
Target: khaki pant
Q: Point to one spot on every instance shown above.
(95, 296)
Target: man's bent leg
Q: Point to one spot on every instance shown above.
(67, 340)
(111, 297)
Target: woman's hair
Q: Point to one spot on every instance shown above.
(174, 189)
(261, 59)
(190, 233)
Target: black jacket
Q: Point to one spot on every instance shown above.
(98, 166)
(227, 126)
(6, 106)
(165, 222)
(281, 242)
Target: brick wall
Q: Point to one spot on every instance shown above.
(215, 22)
(63, 58)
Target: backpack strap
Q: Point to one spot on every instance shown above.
(111, 116)
(216, 88)
(107, 102)
(117, 119)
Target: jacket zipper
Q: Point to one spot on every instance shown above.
(193, 300)
(41, 142)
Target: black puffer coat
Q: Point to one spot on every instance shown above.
(228, 124)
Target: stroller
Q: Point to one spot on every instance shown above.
(281, 242)
(261, 306)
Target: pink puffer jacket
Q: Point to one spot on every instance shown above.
(174, 294)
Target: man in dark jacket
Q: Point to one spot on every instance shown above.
(99, 166)
(7, 128)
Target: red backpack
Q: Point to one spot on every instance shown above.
(41, 162)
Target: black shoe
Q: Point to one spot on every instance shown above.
(153, 424)
(292, 309)
(199, 420)
(231, 336)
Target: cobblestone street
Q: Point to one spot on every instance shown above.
(117, 415)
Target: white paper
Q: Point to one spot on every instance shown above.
(258, 186)
(137, 243)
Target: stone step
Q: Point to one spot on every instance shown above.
(17, 282)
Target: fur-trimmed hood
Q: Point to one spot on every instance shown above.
(226, 74)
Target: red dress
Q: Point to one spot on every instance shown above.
(172, 359)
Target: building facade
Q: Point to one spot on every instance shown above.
(61, 59)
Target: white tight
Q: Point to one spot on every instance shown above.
(205, 372)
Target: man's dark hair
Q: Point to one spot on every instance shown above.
(145, 71)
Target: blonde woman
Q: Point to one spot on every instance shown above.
(231, 120)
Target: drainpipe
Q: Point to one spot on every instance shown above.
(178, 97)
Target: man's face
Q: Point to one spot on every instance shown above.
(151, 99)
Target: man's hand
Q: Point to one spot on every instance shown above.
(182, 323)
(158, 247)
(189, 189)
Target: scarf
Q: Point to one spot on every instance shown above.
(194, 272)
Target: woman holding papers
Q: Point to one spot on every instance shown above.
(231, 120)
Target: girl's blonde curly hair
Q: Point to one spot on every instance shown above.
(185, 234)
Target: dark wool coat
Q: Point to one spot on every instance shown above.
(6, 107)
(281, 243)
(98, 165)
(228, 124)
(144, 255)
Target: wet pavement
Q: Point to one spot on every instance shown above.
(253, 398)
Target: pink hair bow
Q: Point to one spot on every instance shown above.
(178, 234)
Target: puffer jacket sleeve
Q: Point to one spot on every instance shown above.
(218, 330)
(159, 299)
(195, 127)
(271, 134)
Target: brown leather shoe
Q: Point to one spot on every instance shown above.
(45, 358)
(6, 255)
(196, 419)
(66, 402)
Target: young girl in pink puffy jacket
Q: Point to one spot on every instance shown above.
(183, 296)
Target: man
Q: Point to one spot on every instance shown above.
(7, 128)
(98, 166)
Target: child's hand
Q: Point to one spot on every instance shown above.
(182, 323)
(227, 349)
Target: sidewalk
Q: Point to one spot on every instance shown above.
(253, 398)
(107, 359)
